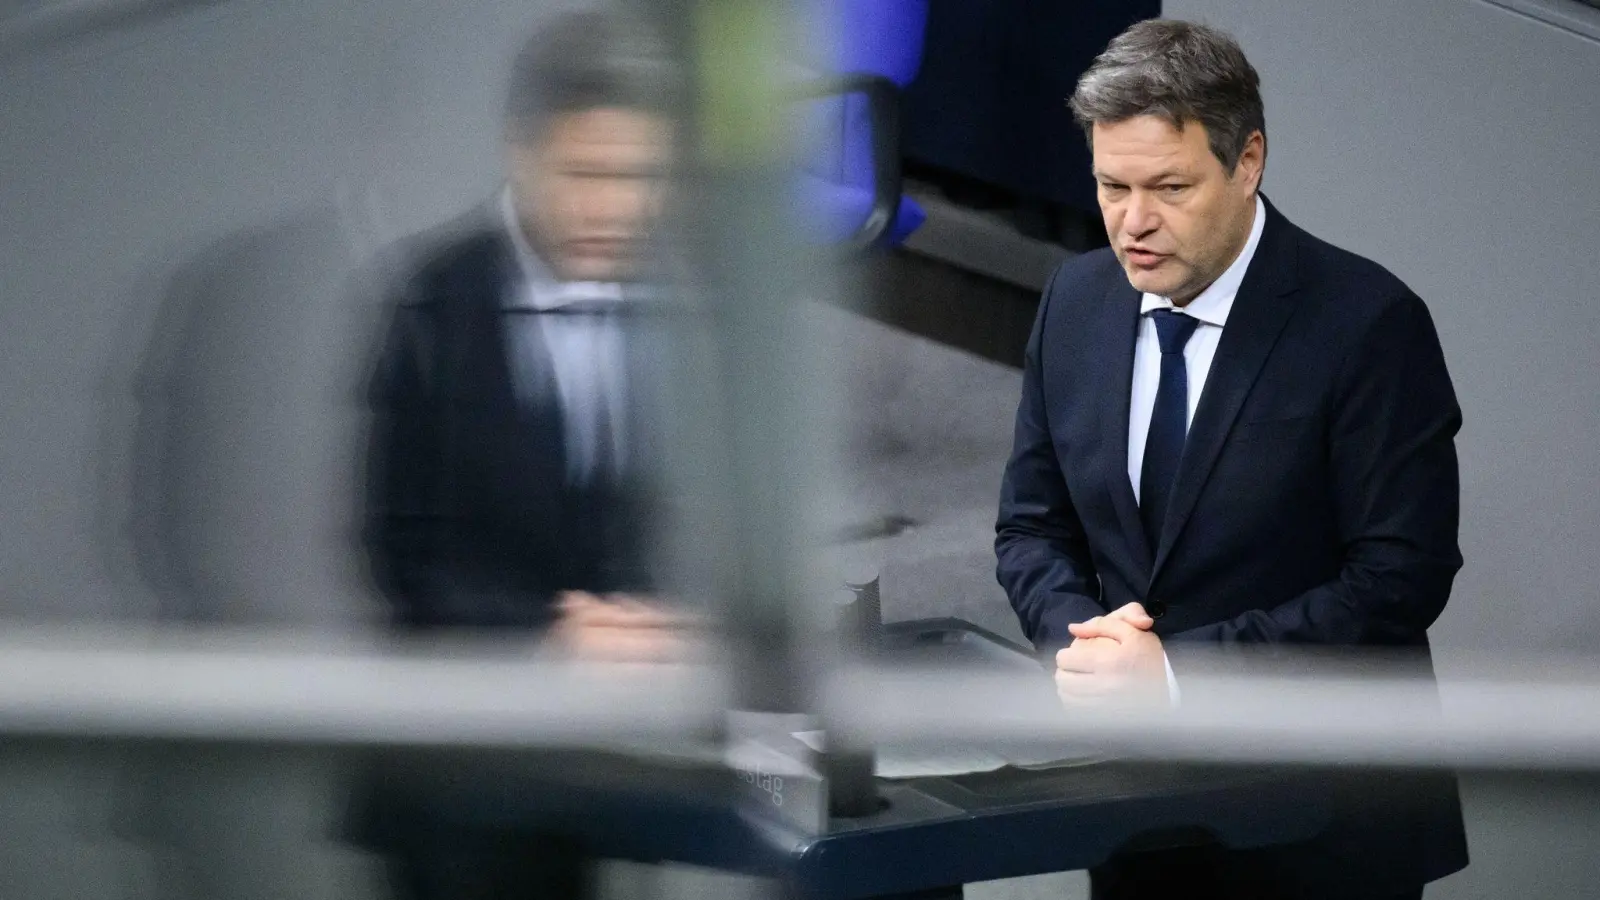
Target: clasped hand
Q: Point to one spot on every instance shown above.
(622, 628)
(1114, 660)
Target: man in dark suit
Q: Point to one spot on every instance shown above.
(509, 481)
(1231, 435)
(504, 475)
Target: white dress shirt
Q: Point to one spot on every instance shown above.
(1211, 307)
(586, 353)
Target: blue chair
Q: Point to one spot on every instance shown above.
(850, 188)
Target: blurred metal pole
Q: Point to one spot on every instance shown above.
(1337, 712)
(253, 688)
(767, 462)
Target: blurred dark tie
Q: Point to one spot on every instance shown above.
(581, 320)
(1169, 422)
(580, 308)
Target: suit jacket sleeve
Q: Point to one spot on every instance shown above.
(1043, 555)
(1396, 493)
(410, 531)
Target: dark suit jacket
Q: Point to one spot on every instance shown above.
(1316, 501)
(469, 518)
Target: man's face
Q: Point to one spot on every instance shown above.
(1176, 219)
(588, 188)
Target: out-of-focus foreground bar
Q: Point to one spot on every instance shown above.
(237, 688)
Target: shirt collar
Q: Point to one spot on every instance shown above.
(540, 288)
(1216, 301)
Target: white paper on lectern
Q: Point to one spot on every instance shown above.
(926, 760)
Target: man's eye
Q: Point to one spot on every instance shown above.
(1170, 189)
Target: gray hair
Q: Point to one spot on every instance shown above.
(1181, 72)
(588, 59)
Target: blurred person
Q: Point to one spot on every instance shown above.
(509, 471)
(1231, 433)
(508, 480)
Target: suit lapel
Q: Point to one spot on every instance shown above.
(481, 294)
(1113, 362)
(1257, 318)
(511, 372)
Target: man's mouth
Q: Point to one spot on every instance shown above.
(1144, 258)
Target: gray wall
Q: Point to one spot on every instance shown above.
(183, 196)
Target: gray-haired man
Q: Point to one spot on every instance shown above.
(1231, 434)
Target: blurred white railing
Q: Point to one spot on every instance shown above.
(250, 687)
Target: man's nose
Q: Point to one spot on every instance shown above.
(1140, 218)
(611, 200)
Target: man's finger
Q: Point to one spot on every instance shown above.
(1088, 631)
(1105, 627)
(578, 608)
(646, 613)
(1089, 628)
(1078, 657)
(603, 644)
(603, 613)
(1134, 614)
(635, 613)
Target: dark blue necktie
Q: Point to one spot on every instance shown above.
(1169, 422)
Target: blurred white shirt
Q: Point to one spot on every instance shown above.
(587, 357)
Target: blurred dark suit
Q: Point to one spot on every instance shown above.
(473, 520)
(471, 517)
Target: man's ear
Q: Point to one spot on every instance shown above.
(1252, 159)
